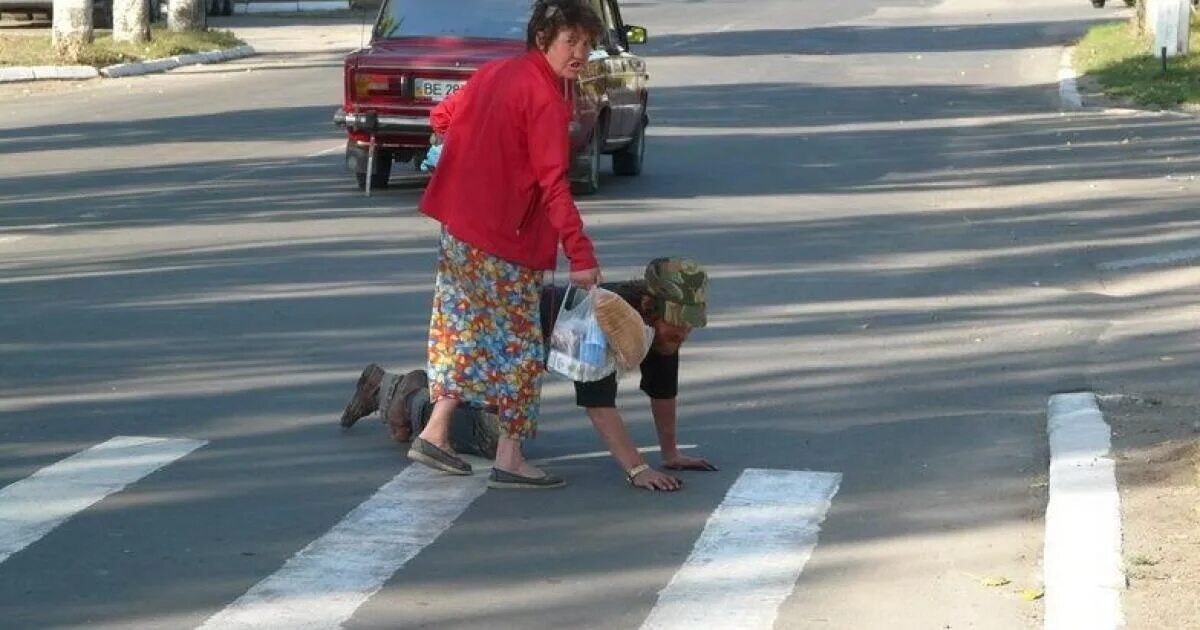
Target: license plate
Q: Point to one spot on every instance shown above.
(436, 89)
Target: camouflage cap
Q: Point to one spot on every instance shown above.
(680, 288)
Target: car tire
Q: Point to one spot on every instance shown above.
(628, 161)
(591, 182)
(227, 8)
(383, 172)
(1131, 3)
(1099, 4)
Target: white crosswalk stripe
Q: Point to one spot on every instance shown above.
(321, 586)
(744, 564)
(32, 507)
(750, 554)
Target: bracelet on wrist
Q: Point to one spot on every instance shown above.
(635, 471)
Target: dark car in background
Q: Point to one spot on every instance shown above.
(421, 52)
(101, 10)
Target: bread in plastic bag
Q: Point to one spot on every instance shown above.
(629, 338)
(578, 347)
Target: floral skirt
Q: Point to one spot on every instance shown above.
(485, 337)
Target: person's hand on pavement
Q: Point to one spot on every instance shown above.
(587, 278)
(651, 479)
(683, 462)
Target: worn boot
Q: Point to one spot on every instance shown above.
(399, 417)
(366, 396)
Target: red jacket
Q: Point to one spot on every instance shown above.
(501, 182)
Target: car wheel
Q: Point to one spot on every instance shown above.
(591, 182)
(628, 161)
(227, 7)
(383, 172)
(1099, 4)
(1130, 3)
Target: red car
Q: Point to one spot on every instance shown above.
(422, 51)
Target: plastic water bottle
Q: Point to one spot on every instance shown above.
(594, 345)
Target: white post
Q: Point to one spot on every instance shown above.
(1169, 20)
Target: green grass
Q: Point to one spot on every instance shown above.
(33, 49)
(1142, 561)
(1121, 62)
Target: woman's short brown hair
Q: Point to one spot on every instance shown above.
(550, 17)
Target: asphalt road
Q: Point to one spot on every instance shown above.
(903, 233)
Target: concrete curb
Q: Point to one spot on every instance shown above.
(162, 65)
(61, 73)
(1083, 572)
(299, 6)
(42, 73)
(1068, 84)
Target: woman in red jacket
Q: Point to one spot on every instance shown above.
(501, 193)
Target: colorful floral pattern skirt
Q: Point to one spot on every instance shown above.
(485, 336)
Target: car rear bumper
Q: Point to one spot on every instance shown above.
(382, 123)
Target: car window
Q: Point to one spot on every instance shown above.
(493, 19)
(613, 25)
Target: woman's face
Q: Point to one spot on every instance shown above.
(568, 53)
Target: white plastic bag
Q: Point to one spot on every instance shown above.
(578, 349)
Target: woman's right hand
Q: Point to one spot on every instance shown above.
(587, 278)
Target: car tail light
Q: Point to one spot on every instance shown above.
(368, 84)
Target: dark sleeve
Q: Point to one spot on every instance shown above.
(601, 393)
(660, 375)
(551, 301)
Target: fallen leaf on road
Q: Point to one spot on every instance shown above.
(1032, 594)
(995, 581)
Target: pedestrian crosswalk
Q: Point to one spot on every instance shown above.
(750, 553)
(322, 585)
(32, 507)
(743, 565)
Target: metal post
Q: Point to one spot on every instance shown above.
(371, 122)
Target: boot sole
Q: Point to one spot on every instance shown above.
(361, 404)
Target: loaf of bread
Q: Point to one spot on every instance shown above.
(627, 335)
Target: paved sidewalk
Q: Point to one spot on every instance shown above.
(301, 33)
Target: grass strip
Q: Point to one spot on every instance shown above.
(34, 49)
(1121, 62)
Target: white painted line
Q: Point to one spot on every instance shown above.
(333, 149)
(1158, 260)
(1068, 86)
(11, 239)
(599, 454)
(32, 507)
(750, 554)
(1082, 563)
(321, 586)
